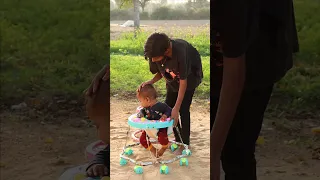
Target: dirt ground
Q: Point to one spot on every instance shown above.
(199, 139)
(41, 149)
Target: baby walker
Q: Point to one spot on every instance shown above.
(151, 126)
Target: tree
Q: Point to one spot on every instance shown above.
(136, 4)
(136, 18)
(143, 4)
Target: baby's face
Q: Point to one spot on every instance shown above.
(144, 102)
(102, 129)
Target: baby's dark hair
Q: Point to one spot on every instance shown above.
(156, 45)
(148, 91)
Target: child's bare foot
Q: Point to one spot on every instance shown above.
(154, 152)
(162, 150)
(180, 149)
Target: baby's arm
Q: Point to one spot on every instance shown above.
(142, 113)
(100, 165)
(166, 111)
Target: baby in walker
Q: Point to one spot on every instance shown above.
(152, 109)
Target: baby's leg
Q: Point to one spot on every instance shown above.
(163, 140)
(144, 142)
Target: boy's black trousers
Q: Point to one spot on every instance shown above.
(171, 99)
(238, 155)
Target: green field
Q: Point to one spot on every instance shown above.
(129, 68)
(54, 47)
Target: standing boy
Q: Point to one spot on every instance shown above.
(253, 46)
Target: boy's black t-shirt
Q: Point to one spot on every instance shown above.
(264, 30)
(184, 64)
(156, 111)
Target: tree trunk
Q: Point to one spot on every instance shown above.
(136, 18)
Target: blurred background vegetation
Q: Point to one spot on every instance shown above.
(161, 10)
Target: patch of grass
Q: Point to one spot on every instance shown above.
(51, 47)
(127, 44)
(128, 72)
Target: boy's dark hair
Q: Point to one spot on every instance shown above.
(156, 45)
(148, 91)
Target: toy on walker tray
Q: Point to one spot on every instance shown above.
(151, 127)
(153, 137)
(79, 172)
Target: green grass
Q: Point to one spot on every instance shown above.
(128, 72)
(129, 68)
(127, 44)
(51, 47)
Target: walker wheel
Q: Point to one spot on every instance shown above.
(123, 162)
(128, 151)
(184, 162)
(173, 147)
(164, 169)
(138, 169)
(186, 152)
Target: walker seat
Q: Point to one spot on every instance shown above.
(93, 148)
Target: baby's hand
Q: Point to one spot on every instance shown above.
(97, 170)
(139, 115)
(163, 117)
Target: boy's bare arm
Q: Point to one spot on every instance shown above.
(232, 86)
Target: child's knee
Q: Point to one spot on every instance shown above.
(163, 139)
(143, 140)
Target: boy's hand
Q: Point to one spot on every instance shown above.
(97, 170)
(175, 116)
(163, 117)
(143, 84)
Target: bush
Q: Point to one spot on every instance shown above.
(164, 13)
(120, 14)
(144, 16)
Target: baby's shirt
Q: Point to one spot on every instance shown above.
(156, 111)
(102, 157)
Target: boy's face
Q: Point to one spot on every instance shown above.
(144, 101)
(157, 59)
(160, 58)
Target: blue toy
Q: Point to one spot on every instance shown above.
(173, 147)
(123, 161)
(164, 169)
(138, 169)
(128, 151)
(184, 162)
(186, 152)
